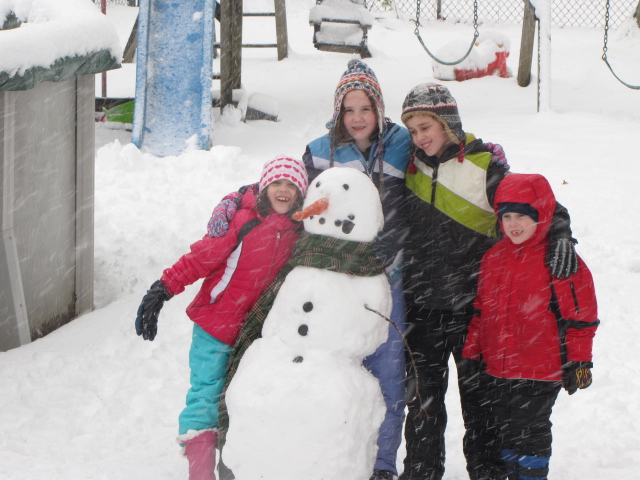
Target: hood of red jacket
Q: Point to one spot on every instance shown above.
(533, 189)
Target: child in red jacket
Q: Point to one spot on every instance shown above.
(237, 268)
(533, 333)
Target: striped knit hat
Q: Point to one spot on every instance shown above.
(358, 76)
(436, 101)
(285, 167)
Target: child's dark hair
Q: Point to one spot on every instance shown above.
(264, 204)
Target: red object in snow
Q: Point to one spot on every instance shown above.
(499, 64)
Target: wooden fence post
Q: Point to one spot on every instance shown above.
(282, 38)
(526, 44)
(230, 49)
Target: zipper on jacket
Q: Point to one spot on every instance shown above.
(575, 297)
(434, 182)
(275, 252)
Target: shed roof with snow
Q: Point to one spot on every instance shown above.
(53, 40)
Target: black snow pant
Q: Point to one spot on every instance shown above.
(521, 409)
(433, 336)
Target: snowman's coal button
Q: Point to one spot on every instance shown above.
(303, 330)
(307, 307)
(298, 360)
(345, 186)
(321, 221)
(317, 184)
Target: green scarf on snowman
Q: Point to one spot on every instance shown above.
(317, 251)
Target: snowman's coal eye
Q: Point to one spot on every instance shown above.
(303, 330)
(338, 223)
(297, 360)
(307, 307)
(345, 186)
(351, 217)
(317, 184)
(321, 221)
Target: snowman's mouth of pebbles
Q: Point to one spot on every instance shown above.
(347, 226)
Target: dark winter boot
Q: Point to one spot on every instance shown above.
(533, 468)
(201, 453)
(510, 458)
(382, 475)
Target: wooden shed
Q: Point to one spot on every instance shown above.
(46, 184)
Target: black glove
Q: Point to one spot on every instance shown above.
(562, 259)
(468, 370)
(149, 309)
(576, 375)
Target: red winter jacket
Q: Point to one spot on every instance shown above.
(514, 330)
(234, 277)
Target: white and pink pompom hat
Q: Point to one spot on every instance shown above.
(285, 167)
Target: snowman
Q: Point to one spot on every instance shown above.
(301, 405)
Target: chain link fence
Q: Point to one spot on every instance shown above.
(127, 3)
(564, 13)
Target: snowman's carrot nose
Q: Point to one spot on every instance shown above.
(315, 208)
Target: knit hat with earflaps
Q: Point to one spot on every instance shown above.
(358, 76)
(285, 167)
(436, 101)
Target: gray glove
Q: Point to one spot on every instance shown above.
(562, 258)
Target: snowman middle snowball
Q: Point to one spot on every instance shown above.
(301, 405)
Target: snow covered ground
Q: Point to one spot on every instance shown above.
(93, 401)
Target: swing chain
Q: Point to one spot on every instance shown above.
(605, 48)
(475, 34)
(606, 31)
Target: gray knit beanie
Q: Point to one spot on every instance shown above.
(436, 101)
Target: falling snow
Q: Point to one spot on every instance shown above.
(93, 401)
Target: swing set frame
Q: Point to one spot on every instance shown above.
(526, 45)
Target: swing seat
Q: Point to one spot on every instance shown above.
(487, 57)
(498, 65)
(341, 26)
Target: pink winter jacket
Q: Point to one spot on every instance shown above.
(234, 277)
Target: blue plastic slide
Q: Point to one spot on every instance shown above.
(173, 76)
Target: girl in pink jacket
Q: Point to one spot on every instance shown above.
(237, 268)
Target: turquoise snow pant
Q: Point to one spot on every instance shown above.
(208, 358)
(387, 364)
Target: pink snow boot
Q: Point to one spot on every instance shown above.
(201, 453)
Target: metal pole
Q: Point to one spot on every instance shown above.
(103, 9)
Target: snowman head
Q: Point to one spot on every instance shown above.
(343, 203)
